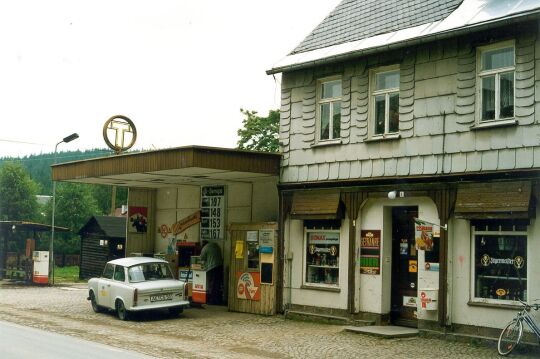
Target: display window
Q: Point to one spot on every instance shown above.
(322, 250)
(500, 261)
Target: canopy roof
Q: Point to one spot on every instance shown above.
(193, 165)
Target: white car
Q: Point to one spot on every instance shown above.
(135, 284)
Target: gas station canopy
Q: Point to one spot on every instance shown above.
(194, 165)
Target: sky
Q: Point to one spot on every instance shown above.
(179, 69)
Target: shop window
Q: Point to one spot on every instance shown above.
(500, 261)
(322, 250)
(385, 101)
(329, 109)
(496, 81)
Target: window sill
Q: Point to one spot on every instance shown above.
(494, 123)
(507, 305)
(325, 288)
(326, 143)
(388, 137)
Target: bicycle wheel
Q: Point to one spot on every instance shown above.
(510, 337)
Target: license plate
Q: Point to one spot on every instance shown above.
(161, 297)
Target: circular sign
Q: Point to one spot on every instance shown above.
(519, 262)
(485, 260)
(119, 133)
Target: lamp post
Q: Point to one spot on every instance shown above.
(67, 139)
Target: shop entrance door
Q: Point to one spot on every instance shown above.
(404, 267)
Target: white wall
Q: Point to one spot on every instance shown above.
(375, 290)
(173, 204)
(294, 243)
(462, 313)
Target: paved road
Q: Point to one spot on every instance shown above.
(212, 332)
(20, 342)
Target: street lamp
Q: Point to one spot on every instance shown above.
(67, 139)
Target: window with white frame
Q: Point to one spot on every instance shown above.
(496, 66)
(385, 101)
(322, 250)
(329, 109)
(500, 260)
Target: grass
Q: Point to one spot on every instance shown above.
(68, 274)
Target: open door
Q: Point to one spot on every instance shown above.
(404, 267)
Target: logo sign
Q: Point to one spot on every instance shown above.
(248, 286)
(119, 133)
(517, 261)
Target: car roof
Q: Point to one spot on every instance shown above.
(131, 261)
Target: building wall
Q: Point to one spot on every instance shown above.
(461, 246)
(142, 242)
(294, 291)
(437, 110)
(375, 290)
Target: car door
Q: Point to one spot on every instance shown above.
(118, 288)
(104, 287)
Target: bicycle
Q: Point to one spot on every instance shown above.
(512, 333)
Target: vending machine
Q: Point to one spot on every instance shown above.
(40, 274)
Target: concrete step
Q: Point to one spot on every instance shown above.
(316, 317)
(384, 331)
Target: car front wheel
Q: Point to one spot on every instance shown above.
(121, 310)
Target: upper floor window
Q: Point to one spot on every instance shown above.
(496, 82)
(329, 110)
(385, 102)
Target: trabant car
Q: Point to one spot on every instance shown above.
(137, 284)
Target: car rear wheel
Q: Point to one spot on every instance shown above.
(121, 310)
(175, 311)
(95, 307)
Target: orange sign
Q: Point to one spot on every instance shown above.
(185, 223)
(248, 285)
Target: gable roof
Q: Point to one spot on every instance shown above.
(468, 16)
(112, 227)
(355, 20)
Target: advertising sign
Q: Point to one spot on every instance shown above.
(138, 220)
(423, 236)
(370, 251)
(248, 285)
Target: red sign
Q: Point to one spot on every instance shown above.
(248, 285)
(370, 251)
(186, 222)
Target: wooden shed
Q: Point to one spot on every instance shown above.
(252, 282)
(103, 238)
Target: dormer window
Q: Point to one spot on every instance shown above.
(496, 81)
(329, 109)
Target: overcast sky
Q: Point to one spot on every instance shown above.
(181, 70)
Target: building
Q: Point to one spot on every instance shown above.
(103, 238)
(179, 197)
(411, 152)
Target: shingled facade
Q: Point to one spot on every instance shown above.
(410, 133)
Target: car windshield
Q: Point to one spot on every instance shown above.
(149, 271)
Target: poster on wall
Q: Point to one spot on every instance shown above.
(138, 219)
(248, 285)
(212, 212)
(423, 236)
(370, 251)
